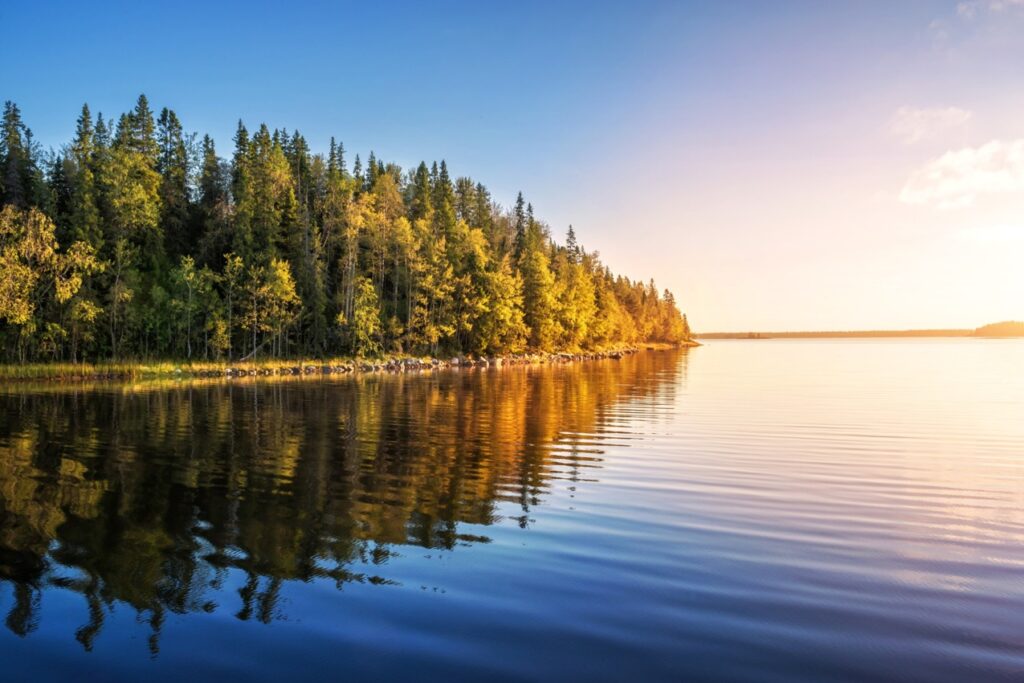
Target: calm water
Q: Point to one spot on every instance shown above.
(750, 510)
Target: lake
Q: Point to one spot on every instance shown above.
(748, 510)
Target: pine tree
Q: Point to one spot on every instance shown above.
(540, 307)
(465, 201)
(519, 225)
(332, 158)
(173, 166)
(85, 214)
(572, 248)
(576, 296)
(59, 202)
(297, 154)
(240, 158)
(420, 204)
(371, 172)
(481, 213)
(444, 192)
(357, 172)
(444, 203)
(211, 211)
(133, 186)
(136, 132)
(342, 169)
(20, 178)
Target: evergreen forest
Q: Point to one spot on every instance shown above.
(139, 240)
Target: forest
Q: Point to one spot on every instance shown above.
(137, 240)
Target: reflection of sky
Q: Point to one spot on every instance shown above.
(759, 148)
(905, 450)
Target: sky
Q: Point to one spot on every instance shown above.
(778, 166)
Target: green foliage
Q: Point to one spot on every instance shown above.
(364, 328)
(37, 275)
(540, 302)
(174, 168)
(578, 302)
(500, 327)
(140, 243)
(85, 216)
(133, 191)
(21, 181)
(269, 304)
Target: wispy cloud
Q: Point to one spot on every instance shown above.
(957, 178)
(973, 8)
(911, 124)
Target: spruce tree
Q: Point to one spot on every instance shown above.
(239, 164)
(519, 225)
(357, 171)
(420, 204)
(136, 132)
(572, 249)
(332, 158)
(85, 214)
(481, 213)
(173, 166)
(211, 212)
(342, 168)
(59, 204)
(19, 173)
(444, 203)
(371, 172)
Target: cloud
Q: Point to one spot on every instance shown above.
(914, 125)
(957, 178)
(972, 8)
(939, 30)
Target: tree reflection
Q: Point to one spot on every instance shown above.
(151, 495)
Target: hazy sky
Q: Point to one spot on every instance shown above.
(778, 166)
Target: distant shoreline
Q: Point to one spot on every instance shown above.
(852, 334)
(1001, 330)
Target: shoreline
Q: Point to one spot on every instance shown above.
(103, 371)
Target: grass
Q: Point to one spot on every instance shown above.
(143, 369)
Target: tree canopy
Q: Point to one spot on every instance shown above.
(140, 241)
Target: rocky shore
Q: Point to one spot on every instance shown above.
(85, 372)
(412, 364)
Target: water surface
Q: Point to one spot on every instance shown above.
(769, 510)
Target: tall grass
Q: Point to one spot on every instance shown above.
(140, 369)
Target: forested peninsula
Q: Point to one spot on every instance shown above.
(137, 241)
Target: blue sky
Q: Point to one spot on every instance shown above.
(759, 159)
(479, 84)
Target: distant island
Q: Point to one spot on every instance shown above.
(1010, 328)
(1003, 329)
